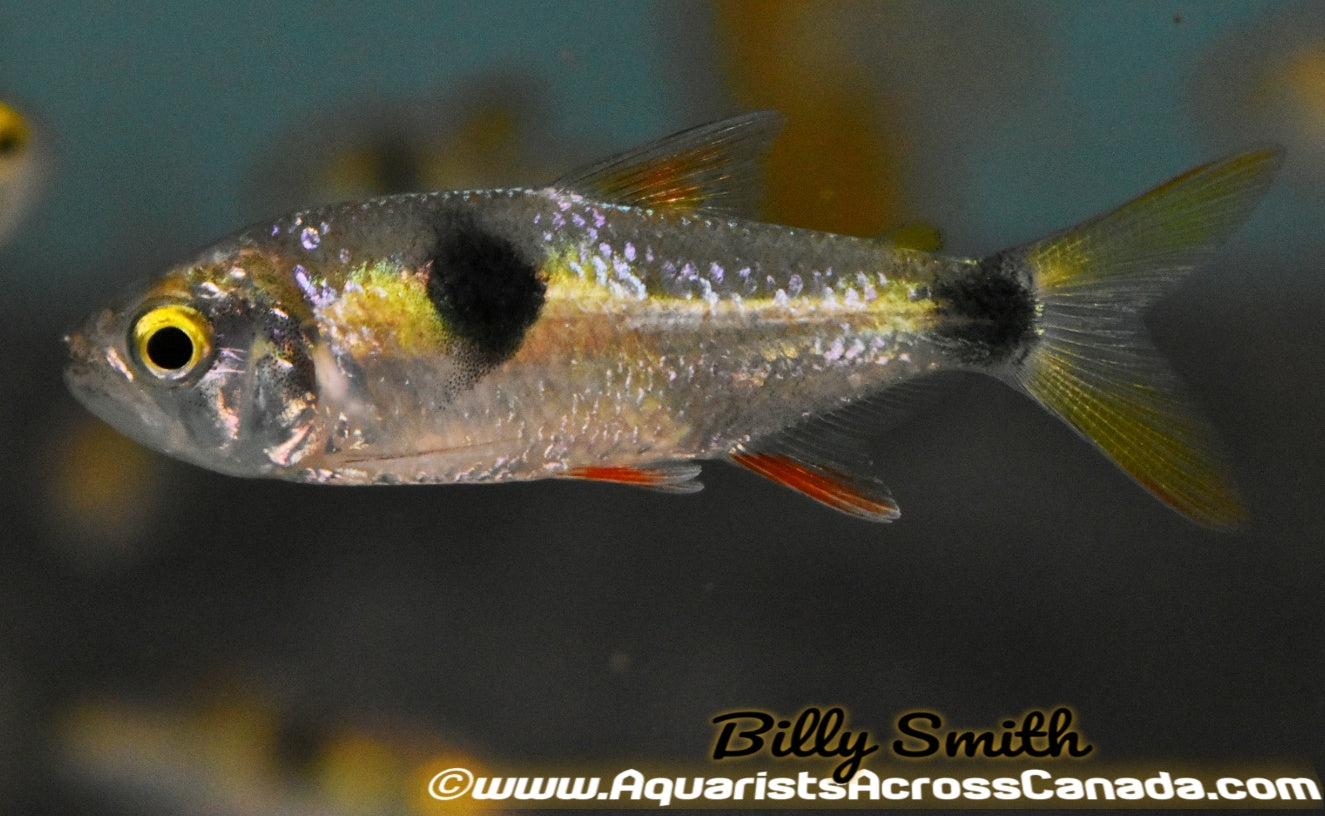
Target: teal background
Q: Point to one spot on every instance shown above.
(155, 110)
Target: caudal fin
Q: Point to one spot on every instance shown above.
(1094, 365)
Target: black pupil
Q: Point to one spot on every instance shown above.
(169, 348)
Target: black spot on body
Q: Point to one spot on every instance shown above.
(987, 311)
(483, 288)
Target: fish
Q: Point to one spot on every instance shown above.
(22, 168)
(632, 319)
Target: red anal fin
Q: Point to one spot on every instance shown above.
(670, 477)
(863, 498)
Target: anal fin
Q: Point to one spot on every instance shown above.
(856, 494)
(668, 477)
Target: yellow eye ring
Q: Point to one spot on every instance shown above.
(171, 341)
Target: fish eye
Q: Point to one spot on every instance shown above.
(171, 341)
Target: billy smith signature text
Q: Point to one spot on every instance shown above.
(823, 733)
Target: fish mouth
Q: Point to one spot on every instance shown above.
(92, 348)
(78, 368)
(81, 364)
(76, 344)
(98, 377)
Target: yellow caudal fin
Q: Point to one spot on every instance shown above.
(1094, 365)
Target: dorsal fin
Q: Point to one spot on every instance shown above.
(710, 168)
(917, 235)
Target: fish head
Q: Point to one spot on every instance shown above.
(211, 363)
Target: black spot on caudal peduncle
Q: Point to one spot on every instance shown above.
(483, 288)
(986, 310)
